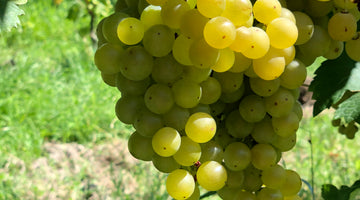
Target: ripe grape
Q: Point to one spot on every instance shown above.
(237, 156)
(342, 26)
(130, 31)
(180, 184)
(211, 175)
(267, 10)
(189, 152)
(219, 32)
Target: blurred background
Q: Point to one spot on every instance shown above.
(60, 138)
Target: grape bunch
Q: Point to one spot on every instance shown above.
(211, 86)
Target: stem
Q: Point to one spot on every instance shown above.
(312, 166)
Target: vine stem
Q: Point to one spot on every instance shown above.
(312, 165)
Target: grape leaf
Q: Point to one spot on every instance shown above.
(349, 109)
(332, 79)
(10, 16)
(330, 192)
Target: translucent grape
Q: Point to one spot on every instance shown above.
(192, 24)
(230, 82)
(211, 91)
(172, 12)
(241, 63)
(147, 123)
(274, 176)
(99, 34)
(150, 16)
(189, 152)
(238, 11)
(140, 147)
(130, 87)
(269, 193)
(180, 184)
(109, 79)
(286, 13)
(235, 179)
(305, 27)
(108, 58)
(109, 27)
(130, 31)
(269, 67)
(226, 60)
(164, 164)
(187, 93)
(211, 175)
(176, 117)
(200, 127)
(263, 131)
(158, 98)
(342, 26)
(317, 8)
(292, 184)
(256, 44)
(181, 48)
(280, 103)
(211, 8)
(263, 87)
(219, 32)
(196, 74)
(335, 50)
(166, 70)
(234, 96)
(237, 126)
(237, 156)
(263, 156)
(202, 55)
(282, 32)
(166, 141)
(252, 181)
(137, 63)
(352, 48)
(201, 108)
(284, 143)
(159, 34)
(127, 107)
(266, 10)
(319, 43)
(287, 125)
(252, 108)
(211, 150)
(294, 75)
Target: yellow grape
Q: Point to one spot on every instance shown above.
(242, 39)
(288, 53)
(219, 32)
(189, 152)
(252, 42)
(266, 10)
(166, 141)
(292, 184)
(172, 12)
(238, 11)
(286, 13)
(241, 63)
(211, 175)
(200, 127)
(150, 16)
(269, 67)
(226, 60)
(282, 32)
(130, 31)
(211, 8)
(180, 184)
(202, 55)
(342, 26)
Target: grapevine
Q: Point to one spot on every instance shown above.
(211, 86)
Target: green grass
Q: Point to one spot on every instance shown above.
(51, 91)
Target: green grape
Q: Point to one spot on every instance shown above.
(316, 8)
(202, 55)
(157, 2)
(294, 75)
(274, 176)
(211, 175)
(342, 26)
(230, 82)
(288, 53)
(263, 87)
(269, 194)
(263, 156)
(226, 60)
(242, 39)
(211, 8)
(238, 11)
(269, 67)
(137, 63)
(252, 180)
(109, 79)
(192, 24)
(181, 48)
(266, 10)
(223, 138)
(297, 109)
(252, 108)
(305, 27)
(284, 143)
(352, 48)
(241, 63)
(196, 74)
(140, 147)
(201, 108)
(108, 58)
(211, 150)
(228, 193)
(159, 34)
(282, 33)
(166, 141)
(219, 32)
(109, 27)
(237, 126)
(211, 91)
(237, 156)
(286, 13)
(176, 117)
(147, 123)
(180, 184)
(256, 44)
(99, 34)
(151, 16)
(127, 107)
(293, 197)
(287, 125)
(292, 184)
(127, 86)
(345, 4)
(233, 96)
(307, 58)
(192, 3)
(187, 93)
(335, 50)
(235, 178)
(319, 43)
(263, 131)
(280, 103)
(189, 152)
(158, 98)
(130, 31)
(172, 12)
(166, 70)
(217, 108)
(200, 127)
(245, 195)
(164, 164)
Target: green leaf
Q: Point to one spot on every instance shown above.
(349, 109)
(10, 17)
(329, 192)
(332, 79)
